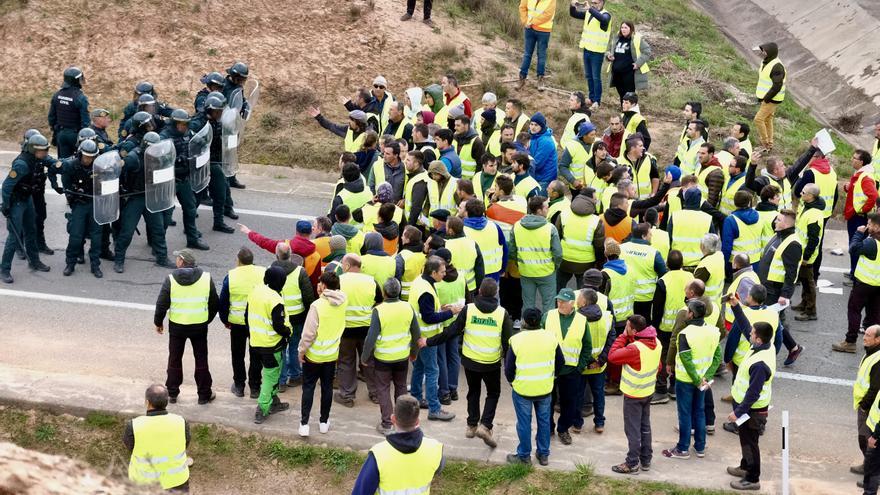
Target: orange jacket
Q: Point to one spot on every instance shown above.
(540, 16)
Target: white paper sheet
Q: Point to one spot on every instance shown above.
(826, 145)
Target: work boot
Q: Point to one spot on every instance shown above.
(295, 382)
(806, 317)
(541, 85)
(282, 388)
(119, 267)
(844, 346)
(745, 485)
(565, 437)
(445, 400)
(165, 263)
(205, 400)
(222, 227)
(236, 390)
(798, 307)
(230, 213)
(80, 260)
(39, 266)
(736, 471)
(659, 398)
(428, 22)
(515, 459)
(278, 406)
(521, 84)
(5, 277)
(197, 244)
(453, 394)
(406, 17)
(255, 393)
(470, 432)
(259, 417)
(96, 271)
(68, 270)
(44, 249)
(586, 411)
(485, 434)
(542, 459)
(859, 469)
(172, 399)
(441, 415)
(233, 182)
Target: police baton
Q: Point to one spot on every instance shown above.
(19, 239)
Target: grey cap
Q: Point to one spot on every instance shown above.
(189, 259)
(358, 115)
(100, 112)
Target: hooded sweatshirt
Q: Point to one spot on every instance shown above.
(471, 135)
(619, 266)
(532, 222)
(730, 230)
(300, 245)
(624, 351)
(817, 165)
(305, 287)
(436, 92)
(613, 217)
(185, 277)
(355, 186)
(543, 149)
(415, 99)
(274, 279)
(583, 205)
(777, 75)
(456, 328)
(310, 329)
(407, 442)
(480, 223)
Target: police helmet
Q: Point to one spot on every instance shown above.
(215, 101)
(214, 78)
(144, 87)
(37, 143)
(151, 138)
(141, 119)
(180, 115)
(74, 76)
(30, 132)
(238, 69)
(86, 134)
(88, 148)
(146, 99)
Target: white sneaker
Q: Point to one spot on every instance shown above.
(304, 430)
(324, 427)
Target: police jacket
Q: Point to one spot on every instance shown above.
(69, 109)
(21, 181)
(181, 148)
(199, 121)
(77, 180)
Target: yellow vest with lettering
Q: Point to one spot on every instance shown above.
(482, 335)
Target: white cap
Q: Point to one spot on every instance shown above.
(380, 81)
(489, 97)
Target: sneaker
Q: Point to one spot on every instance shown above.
(700, 453)
(599, 429)
(441, 415)
(205, 400)
(542, 459)
(303, 430)
(384, 430)
(470, 432)
(860, 469)
(423, 404)
(676, 454)
(731, 427)
(541, 85)
(844, 346)
(323, 428)
(710, 429)
(445, 400)
(485, 434)
(295, 382)
(806, 317)
(646, 466)
(259, 417)
(344, 401)
(515, 459)
(659, 398)
(453, 394)
(236, 390)
(624, 468)
(255, 393)
(736, 471)
(279, 407)
(745, 485)
(565, 437)
(405, 17)
(672, 394)
(794, 354)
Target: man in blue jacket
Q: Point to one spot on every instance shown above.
(542, 149)
(448, 156)
(742, 228)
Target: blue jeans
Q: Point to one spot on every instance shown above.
(425, 367)
(532, 38)
(290, 367)
(449, 362)
(593, 73)
(523, 409)
(597, 391)
(691, 414)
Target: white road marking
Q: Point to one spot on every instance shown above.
(77, 300)
(814, 379)
(833, 269)
(261, 213)
(831, 290)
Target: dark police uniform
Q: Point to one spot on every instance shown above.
(103, 140)
(218, 187)
(78, 185)
(132, 183)
(201, 96)
(68, 113)
(39, 194)
(18, 208)
(162, 110)
(182, 185)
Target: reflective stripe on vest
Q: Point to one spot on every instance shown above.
(805, 218)
(598, 336)
(730, 189)
(353, 144)
(444, 200)
(642, 176)
(863, 378)
(572, 343)
(242, 281)
(331, 323)
(763, 314)
(777, 267)
(292, 295)
(629, 129)
(394, 340)
(421, 286)
(702, 340)
(827, 187)
(535, 352)
(689, 226)
(765, 83)
(360, 294)
(734, 287)
(525, 186)
(859, 198)
(714, 264)
(189, 303)
(413, 264)
(741, 382)
(159, 453)
(868, 271)
(593, 38)
(482, 335)
(464, 258)
(533, 250)
(490, 248)
(640, 269)
(468, 161)
(749, 241)
(675, 282)
(622, 294)
(577, 236)
(407, 196)
(381, 268)
(407, 474)
(441, 118)
(639, 384)
(259, 309)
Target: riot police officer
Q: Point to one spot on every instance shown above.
(218, 187)
(77, 178)
(213, 82)
(17, 206)
(180, 134)
(100, 121)
(133, 182)
(236, 77)
(134, 106)
(68, 112)
(147, 103)
(39, 195)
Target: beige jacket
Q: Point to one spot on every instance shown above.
(310, 328)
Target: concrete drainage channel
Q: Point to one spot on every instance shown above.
(830, 51)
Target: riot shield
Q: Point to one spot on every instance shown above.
(252, 90)
(159, 175)
(105, 187)
(231, 125)
(200, 158)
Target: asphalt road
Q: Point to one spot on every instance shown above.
(101, 350)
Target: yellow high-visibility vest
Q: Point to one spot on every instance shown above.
(660, 241)
(730, 189)
(537, 8)
(535, 352)
(741, 382)
(401, 474)
(260, 304)
(189, 303)
(689, 226)
(525, 186)
(764, 315)
(641, 383)
(407, 196)
(749, 241)
(360, 295)
(863, 378)
(868, 271)
(443, 200)
(572, 343)
(714, 264)
(159, 453)
(622, 294)
(482, 335)
(413, 264)
(675, 282)
(242, 280)
(777, 267)
(734, 286)
(291, 293)
(593, 38)
(381, 268)
(765, 83)
(464, 257)
(805, 218)
(598, 336)
(490, 246)
(640, 268)
(858, 194)
(827, 187)
(569, 134)
(351, 143)
(703, 340)
(642, 176)
(477, 181)
(331, 323)
(468, 160)
(533, 250)
(394, 341)
(577, 236)
(419, 287)
(442, 116)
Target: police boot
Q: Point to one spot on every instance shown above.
(20, 253)
(39, 266)
(44, 249)
(108, 255)
(230, 213)
(5, 277)
(80, 260)
(233, 182)
(96, 271)
(165, 263)
(68, 270)
(222, 227)
(198, 244)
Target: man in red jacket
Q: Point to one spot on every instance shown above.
(638, 351)
(300, 244)
(613, 136)
(859, 200)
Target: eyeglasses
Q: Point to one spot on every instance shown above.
(378, 86)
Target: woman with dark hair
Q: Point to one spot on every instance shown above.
(629, 54)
